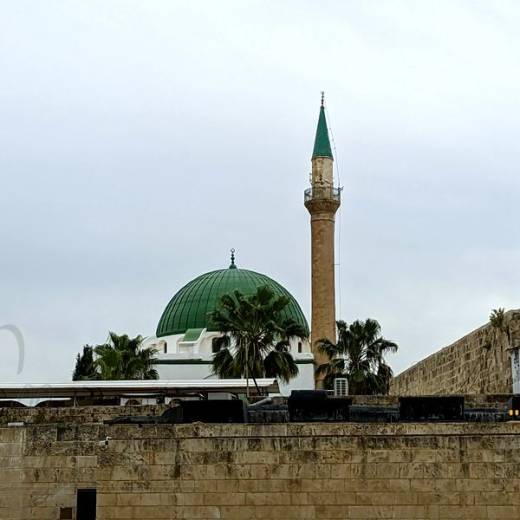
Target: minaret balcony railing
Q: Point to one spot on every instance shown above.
(322, 193)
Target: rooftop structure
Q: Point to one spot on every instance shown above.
(164, 388)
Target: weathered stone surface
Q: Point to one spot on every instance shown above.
(74, 414)
(478, 363)
(319, 471)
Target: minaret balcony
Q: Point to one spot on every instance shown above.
(323, 193)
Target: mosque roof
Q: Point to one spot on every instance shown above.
(190, 306)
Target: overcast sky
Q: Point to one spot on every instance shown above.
(140, 141)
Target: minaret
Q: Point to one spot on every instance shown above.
(322, 200)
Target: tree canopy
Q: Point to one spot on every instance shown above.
(359, 356)
(85, 369)
(256, 336)
(120, 358)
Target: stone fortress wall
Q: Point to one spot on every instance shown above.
(477, 363)
(261, 471)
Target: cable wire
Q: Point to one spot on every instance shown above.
(338, 232)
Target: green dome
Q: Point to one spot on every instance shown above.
(189, 308)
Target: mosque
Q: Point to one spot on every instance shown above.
(483, 361)
(184, 335)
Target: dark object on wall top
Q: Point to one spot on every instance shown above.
(371, 413)
(317, 406)
(431, 408)
(214, 411)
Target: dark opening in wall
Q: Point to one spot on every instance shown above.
(86, 504)
(61, 433)
(65, 513)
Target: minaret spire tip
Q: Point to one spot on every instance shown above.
(322, 142)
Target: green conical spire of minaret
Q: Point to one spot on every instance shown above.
(322, 143)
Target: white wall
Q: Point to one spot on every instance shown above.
(304, 380)
(203, 347)
(175, 363)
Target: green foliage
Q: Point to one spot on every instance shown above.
(121, 358)
(85, 369)
(255, 336)
(358, 355)
(498, 321)
(497, 318)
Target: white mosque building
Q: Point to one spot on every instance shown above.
(184, 335)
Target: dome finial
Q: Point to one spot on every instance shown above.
(232, 265)
(322, 98)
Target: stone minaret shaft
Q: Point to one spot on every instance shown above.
(322, 201)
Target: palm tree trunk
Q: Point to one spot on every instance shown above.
(247, 373)
(256, 385)
(250, 372)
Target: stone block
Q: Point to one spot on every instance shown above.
(466, 512)
(227, 498)
(501, 512)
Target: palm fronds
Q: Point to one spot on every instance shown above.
(359, 356)
(122, 358)
(255, 336)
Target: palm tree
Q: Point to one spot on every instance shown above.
(500, 325)
(497, 318)
(123, 358)
(358, 355)
(255, 336)
(498, 321)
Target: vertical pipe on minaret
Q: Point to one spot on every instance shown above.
(322, 200)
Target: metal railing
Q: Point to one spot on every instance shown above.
(323, 193)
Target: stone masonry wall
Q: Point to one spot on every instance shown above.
(477, 363)
(280, 471)
(75, 414)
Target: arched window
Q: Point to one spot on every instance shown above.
(300, 347)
